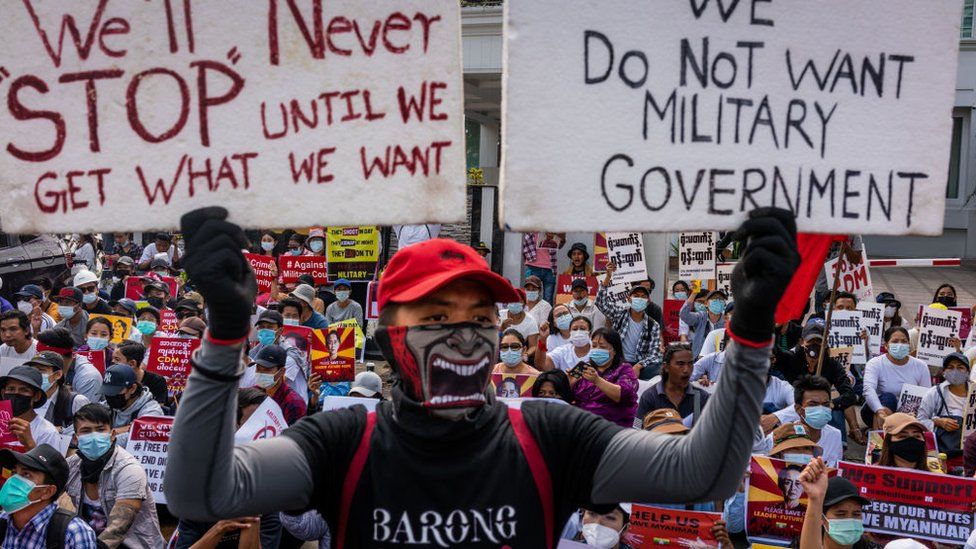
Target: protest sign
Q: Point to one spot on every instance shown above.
(293, 266)
(855, 278)
(149, 443)
(96, 358)
(911, 398)
(353, 252)
(696, 256)
(372, 311)
(626, 251)
(265, 270)
(687, 115)
(935, 328)
(121, 326)
(843, 357)
(170, 358)
(333, 353)
(299, 337)
(6, 414)
(266, 421)
(915, 504)
(872, 451)
(352, 323)
(512, 385)
(600, 254)
(168, 323)
(723, 278)
(134, 284)
(965, 323)
(670, 311)
(654, 526)
(775, 502)
(872, 318)
(260, 110)
(550, 241)
(564, 287)
(845, 331)
(969, 420)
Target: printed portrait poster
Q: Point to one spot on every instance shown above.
(265, 270)
(512, 385)
(652, 527)
(149, 443)
(935, 328)
(775, 501)
(626, 251)
(872, 452)
(696, 256)
(121, 326)
(352, 252)
(170, 358)
(564, 287)
(671, 310)
(299, 337)
(600, 254)
(333, 353)
(134, 284)
(290, 267)
(906, 503)
(549, 241)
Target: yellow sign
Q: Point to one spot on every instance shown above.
(351, 323)
(353, 244)
(121, 327)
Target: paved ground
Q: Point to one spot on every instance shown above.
(915, 286)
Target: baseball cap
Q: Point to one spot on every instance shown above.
(117, 378)
(840, 489)
(717, 293)
(579, 284)
(30, 376)
(899, 421)
(638, 288)
(68, 292)
(159, 263)
(30, 290)
(304, 292)
(956, 356)
(187, 304)
(533, 280)
(270, 316)
(126, 260)
(813, 330)
(127, 304)
(367, 384)
(417, 270)
(666, 421)
(316, 232)
(84, 277)
(342, 282)
(48, 359)
(271, 356)
(904, 543)
(789, 436)
(152, 284)
(195, 324)
(42, 457)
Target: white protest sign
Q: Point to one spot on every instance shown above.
(148, 443)
(855, 278)
(911, 398)
(696, 256)
(626, 251)
(845, 331)
(685, 115)
(260, 107)
(969, 420)
(267, 421)
(935, 328)
(334, 402)
(873, 315)
(723, 277)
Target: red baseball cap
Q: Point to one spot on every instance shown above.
(418, 270)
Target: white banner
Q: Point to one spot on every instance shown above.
(723, 277)
(626, 250)
(659, 115)
(935, 328)
(148, 443)
(845, 331)
(873, 319)
(267, 421)
(696, 256)
(139, 113)
(855, 278)
(911, 398)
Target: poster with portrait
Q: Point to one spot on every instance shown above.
(333, 353)
(512, 385)
(121, 326)
(299, 337)
(775, 502)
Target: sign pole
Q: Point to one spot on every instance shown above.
(830, 306)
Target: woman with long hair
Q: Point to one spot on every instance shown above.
(606, 385)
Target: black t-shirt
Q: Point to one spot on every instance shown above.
(431, 483)
(157, 386)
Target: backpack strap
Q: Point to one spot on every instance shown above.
(537, 465)
(945, 407)
(57, 528)
(351, 481)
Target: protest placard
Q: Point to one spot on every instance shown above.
(965, 323)
(855, 278)
(168, 323)
(6, 414)
(564, 287)
(872, 451)
(775, 501)
(843, 357)
(353, 252)
(512, 385)
(601, 256)
(170, 358)
(149, 443)
(935, 328)
(687, 115)
(372, 311)
(333, 353)
(121, 326)
(96, 358)
(299, 337)
(549, 241)
(134, 285)
(845, 331)
(872, 318)
(915, 504)
(265, 270)
(626, 251)
(266, 421)
(696, 256)
(969, 420)
(354, 324)
(291, 267)
(911, 398)
(670, 311)
(655, 526)
(723, 278)
(259, 109)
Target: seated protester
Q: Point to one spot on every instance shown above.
(343, 308)
(708, 368)
(553, 384)
(641, 334)
(892, 311)
(191, 327)
(903, 445)
(675, 390)
(291, 311)
(607, 385)
(87, 282)
(838, 501)
(80, 375)
(269, 375)
(844, 301)
(512, 352)
(565, 357)
(779, 395)
(108, 486)
(702, 322)
(603, 525)
(134, 354)
(536, 307)
(812, 408)
(30, 301)
(22, 386)
(367, 385)
(323, 297)
(148, 320)
(128, 399)
(124, 268)
(653, 309)
(516, 318)
(555, 330)
(885, 374)
(73, 318)
(31, 517)
(944, 406)
(304, 295)
(582, 305)
(269, 327)
(716, 339)
(62, 403)
(98, 336)
(156, 293)
(15, 333)
(185, 308)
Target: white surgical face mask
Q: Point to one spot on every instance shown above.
(890, 311)
(25, 307)
(579, 338)
(601, 536)
(264, 380)
(291, 322)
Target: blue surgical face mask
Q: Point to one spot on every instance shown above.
(15, 494)
(681, 295)
(88, 299)
(845, 531)
(267, 246)
(146, 327)
(264, 380)
(266, 336)
(638, 304)
(801, 459)
(342, 295)
(563, 321)
(716, 306)
(45, 382)
(532, 295)
(97, 343)
(511, 357)
(700, 307)
(899, 351)
(94, 445)
(817, 416)
(600, 356)
(581, 302)
(292, 322)
(66, 311)
(316, 245)
(515, 308)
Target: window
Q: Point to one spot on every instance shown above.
(955, 154)
(472, 140)
(966, 29)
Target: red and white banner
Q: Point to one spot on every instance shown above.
(148, 443)
(168, 323)
(170, 358)
(564, 287)
(855, 278)
(265, 270)
(291, 267)
(651, 527)
(97, 359)
(134, 284)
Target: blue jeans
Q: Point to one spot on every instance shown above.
(548, 278)
(888, 400)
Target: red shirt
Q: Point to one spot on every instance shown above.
(292, 405)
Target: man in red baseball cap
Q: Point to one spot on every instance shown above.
(444, 464)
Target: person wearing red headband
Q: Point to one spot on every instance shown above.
(445, 464)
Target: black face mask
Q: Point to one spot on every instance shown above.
(813, 351)
(156, 302)
(116, 402)
(946, 300)
(909, 449)
(122, 274)
(20, 404)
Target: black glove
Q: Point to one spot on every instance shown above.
(762, 274)
(219, 271)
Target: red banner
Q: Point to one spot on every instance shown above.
(170, 358)
(601, 256)
(655, 526)
(333, 353)
(512, 385)
(293, 266)
(670, 329)
(372, 303)
(564, 287)
(168, 323)
(264, 269)
(299, 337)
(775, 501)
(915, 504)
(134, 284)
(97, 359)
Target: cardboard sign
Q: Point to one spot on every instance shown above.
(134, 284)
(906, 503)
(670, 312)
(969, 419)
(911, 398)
(601, 256)
(265, 270)
(6, 414)
(259, 109)
(372, 311)
(723, 278)
(333, 353)
(96, 358)
(170, 358)
(935, 328)
(843, 357)
(775, 501)
(687, 115)
(149, 443)
(872, 451)
(965, 324)
(626, 251)
(655, 526)
(293, 266)
(696, 256)
(168, 323)
(855, 278)
(872, 318)
(353, 252)
(564, 287)
(267, 421)
(512, 385)
(121, 326)
(845, 331)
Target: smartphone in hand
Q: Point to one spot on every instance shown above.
(577, 371)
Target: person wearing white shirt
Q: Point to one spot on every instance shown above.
(582, 305)
(944, 405)
(408, 235)
(30, 301)
(515, 317)
(565, 357)
(708, 369)
(779, 394)
(84, 253)
(714, 342)
(162, 245)
(561, 320)
(884, 376)
(812, 409)
(18, 345)
(534, 304)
